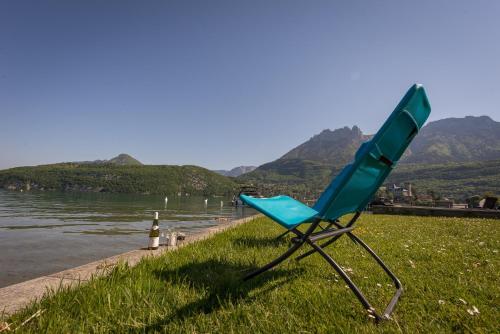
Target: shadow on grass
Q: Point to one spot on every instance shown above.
(220, 283)
(253, 242)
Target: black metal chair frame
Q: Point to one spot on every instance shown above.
(333, 234)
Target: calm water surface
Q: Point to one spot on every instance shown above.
(46, 232)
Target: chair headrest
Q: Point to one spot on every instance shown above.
(353, 188)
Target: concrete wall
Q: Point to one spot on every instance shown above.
(432, 211)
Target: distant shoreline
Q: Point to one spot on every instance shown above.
(109, 178)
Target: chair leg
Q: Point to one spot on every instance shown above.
(288, 231)
(354, 288)
(396, 281)
(332, 240)
(296, 245)
(327, 226)
(342, 273)
(323, 245)
(282, 234)
(275, 262)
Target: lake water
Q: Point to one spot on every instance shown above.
(46, 232)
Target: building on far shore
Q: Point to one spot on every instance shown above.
(402, 193)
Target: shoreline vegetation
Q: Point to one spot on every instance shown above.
(454, 180)
(108, 177)
(448, 267)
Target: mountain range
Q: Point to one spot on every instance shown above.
(236, 171)
(455, 141)
(446, 140)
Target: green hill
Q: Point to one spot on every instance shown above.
(457, 179)
(118, 178)
(121, 160)
(124, 159)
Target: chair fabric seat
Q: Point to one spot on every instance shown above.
(285, 210)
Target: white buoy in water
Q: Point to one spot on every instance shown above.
(206, 201)
(221, 204)
(166, 199)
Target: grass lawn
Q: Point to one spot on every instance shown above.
(447, 266)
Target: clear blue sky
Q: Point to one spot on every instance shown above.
(227, 83)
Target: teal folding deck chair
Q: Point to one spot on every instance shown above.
(349, 192)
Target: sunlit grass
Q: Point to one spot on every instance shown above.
(448, 267)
